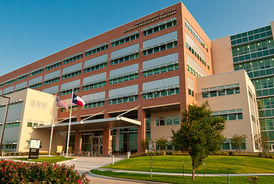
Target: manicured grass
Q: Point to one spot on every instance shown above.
(213, 164)
(187, 180)
(53, 159)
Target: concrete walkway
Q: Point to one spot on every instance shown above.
(85, 164)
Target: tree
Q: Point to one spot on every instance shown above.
(199, 135)
(237, 141)
(162, 142)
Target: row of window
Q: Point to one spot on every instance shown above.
(71, 75)
(11, 125)
(193, 72)
(267, 124)
(94, 85)
(96, 50)
(264, 83)
(94, 104)
(66, 92)
(55, 65)
(160, 93)
(95, 67)
(195, 54)
(221, 91)
(160, 27)
(266, 113)
(37, 72)
(256, 65)
(123, 100)
(261, 73)
(191, 30)
(265, 92)
(251, 35)
(256, 55)
(253, 47)
(168, 120)
(232, 116)
(124, 59)
(125, 40)
(159, 48)
(22, 77)
(123, 78)
(35, 85)
(33, 124)
(161, 69)
(51, 81)
(99, 66)
(74, 58)
(227, 145)
(265, 103)
(9, 82)
(9, 146)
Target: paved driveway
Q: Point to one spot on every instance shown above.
(85, 164)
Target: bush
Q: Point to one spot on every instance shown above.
(19, 172)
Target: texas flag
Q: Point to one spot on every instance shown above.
(78, 100)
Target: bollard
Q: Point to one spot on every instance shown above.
(128, 154)
(112, 159)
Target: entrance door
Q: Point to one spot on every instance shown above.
(97, 145)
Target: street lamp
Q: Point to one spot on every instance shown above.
(4, 121)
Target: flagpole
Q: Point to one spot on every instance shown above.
(69, 124)
(52, 123)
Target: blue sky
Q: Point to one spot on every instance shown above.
(33, 29)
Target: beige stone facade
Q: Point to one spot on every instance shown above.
(235, 96)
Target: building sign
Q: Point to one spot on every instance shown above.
(154, 18)
(34, 144)
(34, 147)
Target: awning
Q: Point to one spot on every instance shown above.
(113, 122)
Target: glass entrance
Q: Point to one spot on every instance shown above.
(97, 145)
(92, 143)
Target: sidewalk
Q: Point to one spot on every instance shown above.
(184, 174)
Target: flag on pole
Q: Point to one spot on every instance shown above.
(61, 103)
(78, 100)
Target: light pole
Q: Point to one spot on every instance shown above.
(4, 121)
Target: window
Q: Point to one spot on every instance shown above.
(160, 69)
(124, 39)
(123, 78)
(168, 120)
(123, 99)
(161, 93)
(96, 49)
(234, 114)
(71, 75)
(55, 65)
(94, 85)
(124, 58)
(36, 72)
(155, 49)
(221, 91)
(73, 58)
(160, 26)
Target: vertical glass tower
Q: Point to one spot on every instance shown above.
(253, 51)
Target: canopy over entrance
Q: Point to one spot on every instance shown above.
(113, 122)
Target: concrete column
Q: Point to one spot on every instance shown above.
(117, 148)
(106, 141)
(106, 138)
(141, 129)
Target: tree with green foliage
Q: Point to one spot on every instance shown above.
(162, 142)
(237, 141)
(200, 134)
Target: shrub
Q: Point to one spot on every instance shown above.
(19, 172)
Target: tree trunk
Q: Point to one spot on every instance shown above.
(193, 169)
(193, 173)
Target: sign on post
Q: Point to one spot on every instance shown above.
(34, 147)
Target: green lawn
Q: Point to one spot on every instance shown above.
(213, 164)
(53, 159)
(187, 180)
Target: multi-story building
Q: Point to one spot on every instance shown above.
(136, 79)
(252, 51)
